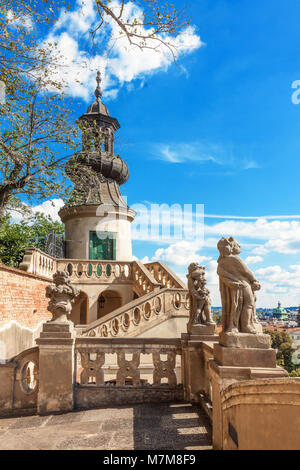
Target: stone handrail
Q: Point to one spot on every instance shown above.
(39, 263)
(144, 281)
(19, 383)
(107, 271)
(144, 370)
(140, 314)
(92, 353)
(145, 278)
(164, 276)
(206, 398)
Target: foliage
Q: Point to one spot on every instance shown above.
(217, 318)
(36, 136)
(282, 342)
(295, 373)
(15, 238)
(36, 132)
(153, 27)
(21, 53)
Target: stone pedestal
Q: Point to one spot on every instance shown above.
(56, 367)
(245, 340)
(239, 357)
(199, 329)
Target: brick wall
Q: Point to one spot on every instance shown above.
(22, 297)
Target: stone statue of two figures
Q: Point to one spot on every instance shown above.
(200, 321)
(238, 285)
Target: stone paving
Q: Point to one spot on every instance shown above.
(149, 427)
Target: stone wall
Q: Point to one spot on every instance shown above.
(261, 415)
(19, 384)
(23, 309)
(15, 338)
(22, 297)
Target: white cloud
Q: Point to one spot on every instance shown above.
(47, 208)
(282, 236)
(279, 284)
(200, 152)
(14, 20)
(180, 254)
(79, 20)
(50, 208)
(181, 152)
(242, 217)
(118, 62)
(249, 164)
(253, 259)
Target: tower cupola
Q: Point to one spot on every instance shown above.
(97, 175)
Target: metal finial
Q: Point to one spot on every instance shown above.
(98, 91)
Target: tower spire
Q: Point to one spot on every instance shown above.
(98, 91)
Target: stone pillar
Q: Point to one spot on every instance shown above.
(56, 368)
(200, 330)
(194, 364)
(239, 357)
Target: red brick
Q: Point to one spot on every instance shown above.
(20, 294)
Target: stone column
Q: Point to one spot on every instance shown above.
(56, 368)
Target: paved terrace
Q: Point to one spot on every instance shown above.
(149, 427)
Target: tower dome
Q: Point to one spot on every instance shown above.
(97, 175)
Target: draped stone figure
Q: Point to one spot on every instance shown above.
(200, 303)
(237, 288)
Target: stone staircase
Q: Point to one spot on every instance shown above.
(161, 294)
(140, 315)
(166, 297)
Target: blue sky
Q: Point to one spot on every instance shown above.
(221, 130)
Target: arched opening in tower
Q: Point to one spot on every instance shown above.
(108, 301)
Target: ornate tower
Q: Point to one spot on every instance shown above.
(97, 219)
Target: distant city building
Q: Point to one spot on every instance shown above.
(295, 336)
(280, 313)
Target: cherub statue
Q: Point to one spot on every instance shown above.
(61, 295)
(200, 304)
(237, 289)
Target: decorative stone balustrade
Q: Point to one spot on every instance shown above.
(164, 276)
(39, 263)
(128, 385)
(145, 278)
(144, 281)
(140, 314)
(84, 271)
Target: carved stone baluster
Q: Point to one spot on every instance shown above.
(92, 368)
(128, 369)
(164, 368)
